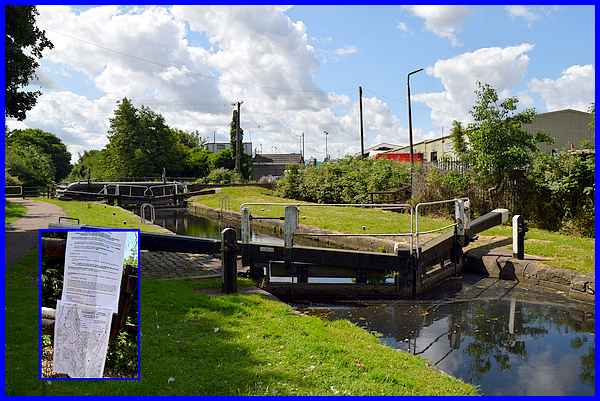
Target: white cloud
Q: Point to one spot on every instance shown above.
(346, 51)
(523, 12)
(403, 27)
(255, 54)
(444, 21)
(500, 67)
(574, 89)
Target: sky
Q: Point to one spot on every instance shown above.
(297, 69)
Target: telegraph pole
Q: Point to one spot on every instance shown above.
(326, 153)
(238, 141)
(362, 143)
(412, 162)
(303, 145)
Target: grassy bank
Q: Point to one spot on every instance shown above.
(98, 214)
(12, 212)
(235, 344)
(342, 219)
(564, 251)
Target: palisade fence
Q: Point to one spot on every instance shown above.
(449, 165)
(514, 195)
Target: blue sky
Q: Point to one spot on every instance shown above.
(298, 69)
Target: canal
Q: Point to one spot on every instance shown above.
(507, 340)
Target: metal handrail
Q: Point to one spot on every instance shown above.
(399, 206)
(14, 186)
(417, 232)
(143, 213)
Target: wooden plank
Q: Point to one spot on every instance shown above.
(255, 253)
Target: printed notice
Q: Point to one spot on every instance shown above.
(81, 336)
(93, 268)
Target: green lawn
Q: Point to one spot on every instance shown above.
(235, 344)
(565, 251)
(342, 219)
(99, 214)
(12, 212)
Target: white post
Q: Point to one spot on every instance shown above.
(459, 216)
(518, 237)
(290, 225)
(467, 210)
(246, 229)
(511, 316)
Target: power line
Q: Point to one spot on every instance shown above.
(205, 75)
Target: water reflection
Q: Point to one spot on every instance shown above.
(503, 346)
(181, 222)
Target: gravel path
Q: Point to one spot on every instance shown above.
(22, 235)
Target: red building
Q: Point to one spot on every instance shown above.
(400, 156)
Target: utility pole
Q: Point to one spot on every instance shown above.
(326, 153)
(238, 141)
(303, 145)
(362, 143)
(412, 161)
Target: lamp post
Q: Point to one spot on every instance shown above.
(412, 161)
(326, 153)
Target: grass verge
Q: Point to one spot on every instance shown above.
(234, 344)
(12, 212)
(342, 219)
(564, 251)
(99, 214)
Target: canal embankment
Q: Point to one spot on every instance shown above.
(491, 259)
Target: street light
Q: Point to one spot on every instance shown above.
(326, 153)
(412, 162)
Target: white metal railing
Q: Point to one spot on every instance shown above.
(143, 213)
(462, 219)
(246, 229)
(19, 187)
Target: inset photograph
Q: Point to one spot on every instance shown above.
(89, 304)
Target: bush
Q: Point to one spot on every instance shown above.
(221, 176)
(565, 185)
(348, 180)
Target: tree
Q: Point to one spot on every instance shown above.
(457, 135)
(140, 143)
(24, 43)
(29, 165)
(48, 144)
(191, 139)
(197, 163)
(232, 134)
(92, 164)
(498, 143)
(123, 132)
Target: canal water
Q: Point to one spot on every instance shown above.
(181, 222)
(504, 339)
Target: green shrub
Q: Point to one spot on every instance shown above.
(221, 176)
(348, 180)
(564, 184)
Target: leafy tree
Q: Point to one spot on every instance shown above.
(457, 135)
(48, 144)
(232, 135)
(29, 165)
(190, 139)
(197, 163)
(140, 143)
(24, 43)
(498, 143)
(92, 164)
